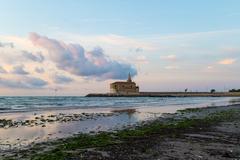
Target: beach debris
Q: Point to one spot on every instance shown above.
(128, 111)
(5, 146)
(41, 120)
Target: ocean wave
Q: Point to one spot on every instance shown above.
(25, 104)
(4, 109)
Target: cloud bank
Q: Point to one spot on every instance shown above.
(8, 44)
(24, 82)
(61, 79)
(74, 59)
(38, 57)
(19, 70)
(39, 70)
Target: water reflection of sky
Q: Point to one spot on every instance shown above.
(24, 135)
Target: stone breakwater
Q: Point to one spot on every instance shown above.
(168, 94)
(43, 120)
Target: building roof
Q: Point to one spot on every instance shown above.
(121, 82)
(129, 81)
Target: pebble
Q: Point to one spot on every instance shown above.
(40, 120)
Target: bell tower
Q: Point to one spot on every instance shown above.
(129, 78)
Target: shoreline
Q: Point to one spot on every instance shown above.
(22, 129)
(103, 144)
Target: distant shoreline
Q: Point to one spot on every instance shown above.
(167, 94)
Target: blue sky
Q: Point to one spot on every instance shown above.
(124, 17)
(168, 45)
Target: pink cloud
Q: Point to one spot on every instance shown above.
(227, 61)
(74, 59)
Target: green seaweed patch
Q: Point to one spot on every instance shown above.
(189, 110)
(86, 141)
(175, 127)
(56, 154)
(81, 141)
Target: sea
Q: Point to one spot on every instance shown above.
(38, 103)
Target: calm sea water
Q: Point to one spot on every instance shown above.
(22, 104)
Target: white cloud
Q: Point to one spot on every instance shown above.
(171, 57)
(142, 59)
(209, 67)
(171, 67)
(8, 44)
(111, 42)
(191, 35)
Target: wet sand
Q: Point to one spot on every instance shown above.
(23, 129)
(220, 140)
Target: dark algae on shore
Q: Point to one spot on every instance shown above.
(205, 133)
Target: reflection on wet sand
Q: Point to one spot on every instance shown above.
(24, 135)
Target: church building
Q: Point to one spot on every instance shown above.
(127, 87)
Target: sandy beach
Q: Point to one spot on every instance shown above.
(23, 128)
(125, 137)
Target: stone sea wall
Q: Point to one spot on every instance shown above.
(168, 94)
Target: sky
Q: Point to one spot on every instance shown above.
(77, 47)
